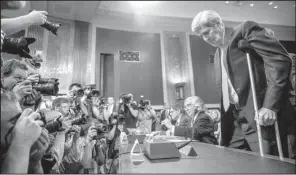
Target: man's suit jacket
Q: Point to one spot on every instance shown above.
(271, 65)
(202, 130)
(185, 120)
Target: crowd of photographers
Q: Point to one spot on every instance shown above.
(76, 133)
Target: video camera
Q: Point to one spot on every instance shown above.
(18, 46)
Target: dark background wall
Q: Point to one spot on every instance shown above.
(290, 46)
(140, 78)
(203, 70)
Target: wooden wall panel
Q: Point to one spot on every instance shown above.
(60, 62)
(139, 78)
(203, 70)
(81, 57)
(176, 66)
(65, 55)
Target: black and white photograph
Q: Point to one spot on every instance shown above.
(154, 87)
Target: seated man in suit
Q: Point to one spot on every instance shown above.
(202, 125)
(180, 118)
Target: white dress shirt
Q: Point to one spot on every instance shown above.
(229, 94)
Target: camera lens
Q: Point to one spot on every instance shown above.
(53, 126)
(79, 93)
(79, 120)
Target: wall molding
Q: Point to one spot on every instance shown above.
(155, 24)
(92, 47)
(160, 107)
(191, 77)
(163, 69)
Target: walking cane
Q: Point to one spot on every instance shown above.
(245, 46)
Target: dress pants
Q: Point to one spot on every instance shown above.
(245, 137)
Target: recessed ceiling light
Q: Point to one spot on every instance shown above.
(270, 3)
(226, 2)
(251, 5)
(275, 7)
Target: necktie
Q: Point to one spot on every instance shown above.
(225, 91)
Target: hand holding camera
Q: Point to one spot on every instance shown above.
(32, 99)
(28, 128)
(91, 134)
(34, 78)
(37, 17)
(76, 129)
(40, 146)
(23, 88)
(66, 124)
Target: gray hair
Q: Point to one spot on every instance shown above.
(207, 18)
(196, 101)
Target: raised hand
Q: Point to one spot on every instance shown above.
(37, 17)
(23, 89)
(28, 128)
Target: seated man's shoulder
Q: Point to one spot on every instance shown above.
(205, 117)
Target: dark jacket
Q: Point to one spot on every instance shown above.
(202, 130)
(185, 120)
(271, 65)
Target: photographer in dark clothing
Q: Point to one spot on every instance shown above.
(129, 110)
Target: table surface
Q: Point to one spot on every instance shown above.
(209, 159)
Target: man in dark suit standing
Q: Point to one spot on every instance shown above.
(271, 65)
(201, 127)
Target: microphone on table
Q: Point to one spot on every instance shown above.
(186, 143)
(187, 150)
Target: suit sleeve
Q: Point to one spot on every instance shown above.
(203, 126)
(185, 122)
(276, 62)
(183, 131)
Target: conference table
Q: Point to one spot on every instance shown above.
(209, 159)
